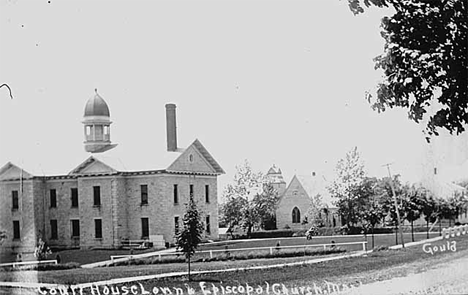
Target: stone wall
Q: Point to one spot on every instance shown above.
(24, 214)
(120, 210)
(63, 211)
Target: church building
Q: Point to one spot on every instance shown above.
(297, 198)
(105, 203)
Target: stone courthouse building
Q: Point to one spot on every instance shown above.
(100, 203)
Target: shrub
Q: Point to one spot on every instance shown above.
(380, 248)
(43, 267)
(279, 233)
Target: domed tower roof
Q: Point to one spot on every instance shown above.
(96, 106)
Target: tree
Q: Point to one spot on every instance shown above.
(191, 234)
(346, 188)
(372, 215)
(388, 202)
(424, 59)
(452, 207)
(250, 200)
(232, 209)
(372, 212)
(412, 205)
(314, 211)
(265, 205)
(430, 210)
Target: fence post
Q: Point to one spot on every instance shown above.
(271, 250)
(159, 257)
(364, 246)
(211, 253)
(324, 247)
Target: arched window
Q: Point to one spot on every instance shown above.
(296, 215)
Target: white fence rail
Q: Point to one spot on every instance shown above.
(15, 264)
(271, 249)
(455, 231)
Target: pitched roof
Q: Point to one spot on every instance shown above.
(114, 162)
(197, 144)
(314, 185)
(11, 171)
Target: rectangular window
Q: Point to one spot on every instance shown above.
(207, 193)
(176, 194)
(176, 224)
(97, 195)
(144, 228)
(435, 170)
(53, 229)
(208, 228)
(15, 201)
(16, 230)
(98, 228)
(75, 224)
(74, 197)
(191, 190)
(53, 198)
(144, 194)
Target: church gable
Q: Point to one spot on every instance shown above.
(295, 191)
(11, 171)
(192, 160)
(92, 166)
(293, 206)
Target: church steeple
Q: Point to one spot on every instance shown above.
(275, 177)
(97, 125)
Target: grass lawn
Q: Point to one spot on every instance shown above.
(90, 256)
(79, 256)
(351, 271)
(379, 240)
(376, 266)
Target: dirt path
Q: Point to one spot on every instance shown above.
(450, 277)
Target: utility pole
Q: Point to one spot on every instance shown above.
(396, 205)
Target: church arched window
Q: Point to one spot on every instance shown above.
(296, 215)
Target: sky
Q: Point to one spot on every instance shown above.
(273, 82)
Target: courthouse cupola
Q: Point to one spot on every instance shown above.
(97, 125)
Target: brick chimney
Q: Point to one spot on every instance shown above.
(171, 127)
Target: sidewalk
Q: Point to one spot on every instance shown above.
(144, 255)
